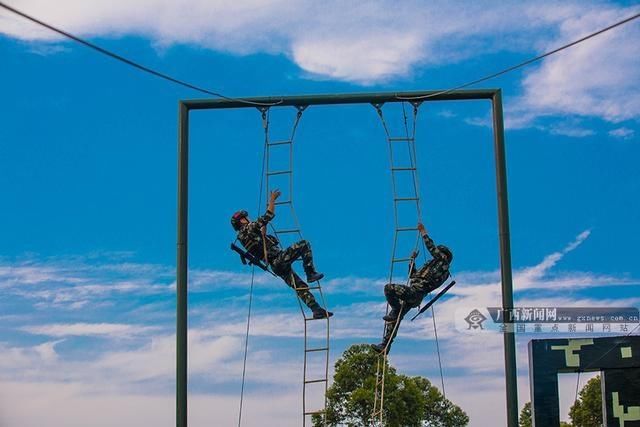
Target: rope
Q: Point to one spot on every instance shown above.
(414, 164)
(253, 270)
(577, 387)
(416, 183)
(295, 224)
(294, 127)
(527, 62)
(435, 331)
(219, 95)
(127, 61)
(265, 125)
(410, 133)
(246, 346)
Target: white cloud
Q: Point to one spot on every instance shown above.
(447, 114)
(142, 367)
(156, 360)
(623, 133)
(27, 361)
(381, 40)
(362, 42)
(87, 329)
(532, 274)
(570, 130)
(76, 283)
(30, 404)
(597, 78)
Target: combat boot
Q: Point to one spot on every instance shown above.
(321, 313)
(392, 316)
(314, 276)
(378, 348)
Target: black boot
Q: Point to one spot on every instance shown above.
(392, 316)
(321, 313)
(378, 348)
(313, 276)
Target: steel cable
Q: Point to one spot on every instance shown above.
(127, 61)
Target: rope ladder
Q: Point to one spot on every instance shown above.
(407, 213)
(280, 168)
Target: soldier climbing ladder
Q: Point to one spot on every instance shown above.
(407, 213)
(279, 166)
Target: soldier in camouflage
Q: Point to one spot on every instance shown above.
(402, 298)
(266, 247)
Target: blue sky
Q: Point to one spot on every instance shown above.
(88, 160)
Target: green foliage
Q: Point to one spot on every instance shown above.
(408, 401)
(525, 416)
(587, 410)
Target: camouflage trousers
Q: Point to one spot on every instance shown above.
(398, 295)
(282, 267)
(401, 299)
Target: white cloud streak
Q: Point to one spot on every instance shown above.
(595, 78)
(382, 40)
(53, 404)
(88, 330)
(144, 362)
(622, 133)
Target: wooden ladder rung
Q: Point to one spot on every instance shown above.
(271, 144)
(317, 349)
(278, 173)
(322, 380)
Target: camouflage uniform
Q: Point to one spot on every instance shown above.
(251, 237)
(402, 298)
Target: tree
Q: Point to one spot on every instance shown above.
(525, 415)
(587, 410)
(408, 401)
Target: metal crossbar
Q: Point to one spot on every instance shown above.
(293, 230)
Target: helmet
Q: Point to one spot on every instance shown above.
(447, 252)
(236, 217)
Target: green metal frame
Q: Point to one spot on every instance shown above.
(494, 95)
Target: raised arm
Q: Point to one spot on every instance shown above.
(271, 209)
(433, 249)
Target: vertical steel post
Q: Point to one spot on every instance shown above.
(181, 276)
(511, 377)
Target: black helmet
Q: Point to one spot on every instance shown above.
(236, 217)
(447, 252)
